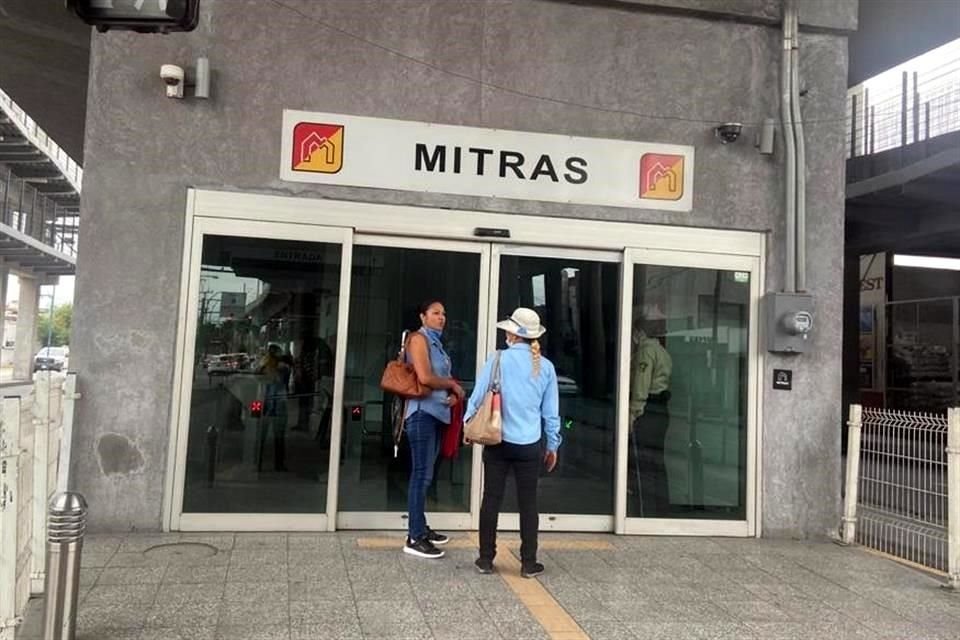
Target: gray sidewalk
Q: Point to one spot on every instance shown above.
(350, 585)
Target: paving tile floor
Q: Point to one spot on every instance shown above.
(249, 586)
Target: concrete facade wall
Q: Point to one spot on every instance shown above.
(143, 151)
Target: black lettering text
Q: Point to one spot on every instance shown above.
(456, 159)
(544, 168)
(431, 162)
(577, 168)
(511, 160)
(481, 154)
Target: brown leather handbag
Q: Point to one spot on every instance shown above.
(400, 378)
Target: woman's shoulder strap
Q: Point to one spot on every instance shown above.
(496, 367)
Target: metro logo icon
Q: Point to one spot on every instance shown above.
(661, 176)
(317, 147)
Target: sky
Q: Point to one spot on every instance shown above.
(62, 293)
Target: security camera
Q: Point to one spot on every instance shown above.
(728, 132)
(173, 76)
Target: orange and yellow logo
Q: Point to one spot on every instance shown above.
(661, 176)
(317, 148)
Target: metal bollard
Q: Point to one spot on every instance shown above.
(66, 523)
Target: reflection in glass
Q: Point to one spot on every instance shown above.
(577, 301)
(388, 284)
(920, 355)
(688, 394)
(263, 369)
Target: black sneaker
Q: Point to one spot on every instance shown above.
(422, 548)
(531, 570)
(436, 538)
(483, 566)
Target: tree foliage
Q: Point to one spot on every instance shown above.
(60, 334)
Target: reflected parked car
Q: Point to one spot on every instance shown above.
(227, 363)
(567, 386)
(50, 359)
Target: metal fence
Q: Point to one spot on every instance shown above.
(923, 105)
(35, 421)
(902, 492)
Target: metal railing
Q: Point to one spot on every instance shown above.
(30, 212)
(23, 206)
(926, 104)
(39, 138)
(903, 486)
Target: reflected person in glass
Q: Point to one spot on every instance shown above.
(530, 406)
(424, 420)
(275, 369)
(650, 370)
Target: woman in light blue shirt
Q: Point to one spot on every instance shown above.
(530, 408)
(424, 421)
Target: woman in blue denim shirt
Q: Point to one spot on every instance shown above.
(424, 420)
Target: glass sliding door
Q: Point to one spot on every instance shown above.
(259, 375)
(689, 392)
(390, 279)
(577, 295)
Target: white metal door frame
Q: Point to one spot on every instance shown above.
(396, 520)
(456, 224)
(293, 218)
(671, 526)
(548, 521)
(199, 227)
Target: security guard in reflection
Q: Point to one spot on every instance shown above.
(651, 367)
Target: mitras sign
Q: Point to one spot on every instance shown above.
(330, 148)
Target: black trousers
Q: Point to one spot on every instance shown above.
(650, 431)
(498, 461)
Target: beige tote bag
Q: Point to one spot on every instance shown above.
(486, 425)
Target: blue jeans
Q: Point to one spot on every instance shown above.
(423, 434)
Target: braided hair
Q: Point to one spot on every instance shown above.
(535, 354)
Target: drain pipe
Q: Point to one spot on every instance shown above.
(790, 313)
(801, 161)
(790, 149)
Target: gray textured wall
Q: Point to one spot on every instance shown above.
(143, 151)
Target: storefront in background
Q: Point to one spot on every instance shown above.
(252, 261)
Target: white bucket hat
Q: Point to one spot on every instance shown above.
(524, 323)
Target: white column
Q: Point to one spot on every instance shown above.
(70, 397)
(27, 341)
(953, 497)
(853, 474)
(5, 356)
(4, 277)
(9, 508)
(41, 491)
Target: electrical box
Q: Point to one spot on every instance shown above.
(789, 322)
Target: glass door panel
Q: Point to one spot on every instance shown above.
(578, 303)
(388, 285)
(689, 393)
(262, 376)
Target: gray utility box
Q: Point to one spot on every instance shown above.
(789, 321)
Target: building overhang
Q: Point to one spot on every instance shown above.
(24, 255)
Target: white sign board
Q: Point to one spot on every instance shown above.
(331, 148)
(232, 304)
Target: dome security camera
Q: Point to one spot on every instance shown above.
(173, 76)
(728, 132)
